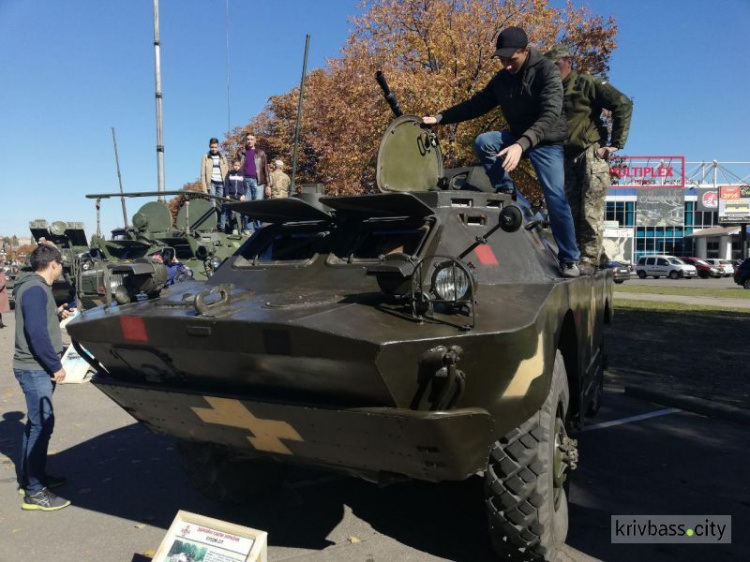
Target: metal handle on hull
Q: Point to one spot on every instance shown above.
(200, 304)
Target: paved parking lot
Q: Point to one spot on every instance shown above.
(127, 484)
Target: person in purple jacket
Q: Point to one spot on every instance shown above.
(38, 368)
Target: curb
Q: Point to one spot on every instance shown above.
(692, 404)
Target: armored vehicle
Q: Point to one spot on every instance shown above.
(423, 332)
(133, 252)
(70, 239)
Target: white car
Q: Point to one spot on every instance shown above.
(725, 266)
(664, 266)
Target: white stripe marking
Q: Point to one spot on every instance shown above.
(632, 419)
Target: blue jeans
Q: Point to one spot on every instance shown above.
(548, 162)
(254, 192)
(37, 387)
(217, 189)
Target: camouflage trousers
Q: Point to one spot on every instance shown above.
(586, 184)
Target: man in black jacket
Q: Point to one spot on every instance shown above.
(529, 91)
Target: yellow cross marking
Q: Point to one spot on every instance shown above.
(528, 370)
(267, 433)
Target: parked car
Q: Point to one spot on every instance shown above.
(742, 274)
(725, 267)
(620, 271)
(705, 269)
(664, 266)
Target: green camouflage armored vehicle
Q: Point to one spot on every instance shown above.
(70, 239)
(423, 332)
(193, 242)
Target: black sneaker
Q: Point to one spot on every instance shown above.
(570, 270)
(44, 501)
(49, 482)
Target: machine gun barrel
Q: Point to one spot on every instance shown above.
(389, 96)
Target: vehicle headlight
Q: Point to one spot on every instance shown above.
(86, 265)
(450, 282)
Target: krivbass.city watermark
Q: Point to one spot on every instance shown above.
(647, 171)
(687, 529)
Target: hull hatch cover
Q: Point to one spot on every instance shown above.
(409, 158)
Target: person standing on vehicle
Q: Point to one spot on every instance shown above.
(37, 367)
(234, 190)
(587, 150)
(214, 167)
(255, 168)
(279, 181)
(529, 91)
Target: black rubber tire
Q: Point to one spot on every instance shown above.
(642, 274)
(703, 275)
(746, 284)
(519, 492)
(673, 275)
(657, 276)
(221, 476)
(619, 282)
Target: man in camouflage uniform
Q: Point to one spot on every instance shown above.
(587, 150)
(279, 181)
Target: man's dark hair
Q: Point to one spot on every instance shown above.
(237, 161)
(42, 256)
(213, 140)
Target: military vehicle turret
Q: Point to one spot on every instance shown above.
(193, 241)
(70, 239)
(423, 332)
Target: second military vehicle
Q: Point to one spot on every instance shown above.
(422, 333)
(130, 256)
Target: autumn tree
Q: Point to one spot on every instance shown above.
(175, 204)
(434, 53)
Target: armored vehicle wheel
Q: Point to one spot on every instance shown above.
(675, 275)
(526, 479)
(642, 274)
(221, 476)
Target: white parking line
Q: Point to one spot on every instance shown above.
(640, 417)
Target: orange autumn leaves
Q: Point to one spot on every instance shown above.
(434, 54)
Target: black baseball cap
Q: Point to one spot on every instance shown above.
(509, 41)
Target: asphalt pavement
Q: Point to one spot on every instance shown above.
(127, 484)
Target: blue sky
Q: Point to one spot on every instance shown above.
(71, 70)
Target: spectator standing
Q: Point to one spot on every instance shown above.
(529, 91)
(37, 367)
(587, 150)
(234, 190)
(255, 168)
(214, 167)
(279, 180)
(4, 301)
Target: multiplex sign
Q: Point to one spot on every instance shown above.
(734, 204)
(647, 171)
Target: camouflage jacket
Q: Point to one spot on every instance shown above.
(279, 184)
(585, 98)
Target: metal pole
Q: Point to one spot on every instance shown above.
(299, 116)
(229, 110)
(119, 179)
(159, 136)
(743, 241)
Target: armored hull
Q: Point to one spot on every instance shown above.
(294, 332)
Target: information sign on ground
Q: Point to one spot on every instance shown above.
(196, 538)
